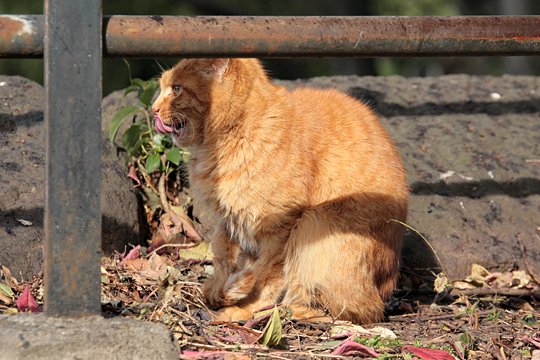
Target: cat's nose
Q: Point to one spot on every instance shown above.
(155, 109)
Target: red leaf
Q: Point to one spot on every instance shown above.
(26, 301)
(534, 341)
(429, 354)
(133, 174)
(348, 347)
(134, 253)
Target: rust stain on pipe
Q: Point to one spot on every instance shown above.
(21, 36)
(264, 36)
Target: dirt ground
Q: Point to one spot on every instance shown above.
(471, 146)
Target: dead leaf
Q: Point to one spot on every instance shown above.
(175, 227)
(247, 337)
(348, 329)
(226, 355)
(139, 264)
(200, 252)
(478, 274)
(6, 294)
(463, 285)
(133, 175)
(177, 222)
(26, 301)
(535, 342)
(441, 283)
(147, 270)
(535, 355)
(502, 280)
(429, 354)
(9, 279)
(520, 279)
(133, 254)
(349, 347)
(157, 268)
(5, 299)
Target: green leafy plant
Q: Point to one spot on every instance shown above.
(152, 151)
(494, 315)
(151, 157)
(530, 319)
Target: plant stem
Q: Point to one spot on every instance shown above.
(163, 193)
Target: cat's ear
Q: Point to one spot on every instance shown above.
(218, 67)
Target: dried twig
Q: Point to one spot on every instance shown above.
(526, 259)
(497, 291)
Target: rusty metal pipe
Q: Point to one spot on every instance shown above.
(263, 36)
(21, 36)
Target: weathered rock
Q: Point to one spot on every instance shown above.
(22, 183)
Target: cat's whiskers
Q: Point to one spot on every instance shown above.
(161, 68)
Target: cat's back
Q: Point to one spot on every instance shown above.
(341, 118)
(351, 147)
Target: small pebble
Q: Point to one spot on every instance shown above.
(25, 222)
(3, 83)
(495, 96)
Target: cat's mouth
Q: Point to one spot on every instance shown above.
(177, 128)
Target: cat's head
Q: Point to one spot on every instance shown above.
(186, 99)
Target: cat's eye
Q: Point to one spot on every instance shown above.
(176, 89)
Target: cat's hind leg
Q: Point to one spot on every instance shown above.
(340, 266)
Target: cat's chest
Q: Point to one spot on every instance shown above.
(241, 213)
(233, 199)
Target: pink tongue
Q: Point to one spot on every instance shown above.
(160, 126)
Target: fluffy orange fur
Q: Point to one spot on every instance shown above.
(303, 185)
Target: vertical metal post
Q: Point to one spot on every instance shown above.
(73, 157)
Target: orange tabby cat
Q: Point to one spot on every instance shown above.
(303, 185)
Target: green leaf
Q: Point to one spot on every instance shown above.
(138, 83)
(6, 290)
(130, 88)
(173, 155)
(119, 118)
(186, 156)
(272, 333)
(529, 319)
(134, 138)
(148, 92)
(132, 135)
(158, 142)
(466, 338)
(152, 162)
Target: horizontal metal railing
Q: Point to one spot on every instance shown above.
(259, 36)
(73, 36)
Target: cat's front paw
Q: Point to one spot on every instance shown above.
(238, 286)
(233, 313)
(213, 293)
